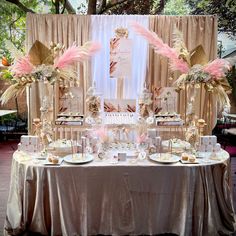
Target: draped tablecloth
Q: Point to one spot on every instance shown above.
(123, 199)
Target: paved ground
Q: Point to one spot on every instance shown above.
(6, 150)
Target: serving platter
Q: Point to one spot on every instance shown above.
(78, 158)
(165, 158)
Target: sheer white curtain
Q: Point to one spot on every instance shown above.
(103, 29)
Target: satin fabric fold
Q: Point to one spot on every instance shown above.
(105, 199)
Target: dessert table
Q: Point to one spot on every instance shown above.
(127, 198)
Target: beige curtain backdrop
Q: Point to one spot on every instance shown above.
(63, 29)
(197, 30)
(67, 29)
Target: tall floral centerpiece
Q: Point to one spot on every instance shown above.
(196, 71)
(44, 66)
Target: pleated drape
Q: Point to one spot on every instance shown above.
(63, 29)
(67, 29)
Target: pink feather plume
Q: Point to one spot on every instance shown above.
(22, 66)
(161, 48)
(217, 68)
(101, 133)
(179, 64)
(76, 54)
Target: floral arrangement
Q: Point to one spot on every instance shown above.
(94, 105)
(93, 102)
(102, 134)
(145, 103)
(193, 65)
(141, 138)
(44, 64)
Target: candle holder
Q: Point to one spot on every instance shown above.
(201, 124)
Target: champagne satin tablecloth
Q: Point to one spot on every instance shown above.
(122, 199)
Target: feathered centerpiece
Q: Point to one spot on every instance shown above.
(44, 64)
(193, 65)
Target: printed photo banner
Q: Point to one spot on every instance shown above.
(120, 58)
(165, 100)
(119, 105)
(70, 100)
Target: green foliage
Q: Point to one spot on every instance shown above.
(6, 75)
(7, 118)
(224, 9)
(12, 24)
(176, 7)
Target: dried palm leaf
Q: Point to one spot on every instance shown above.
(179, 45)
(68, 74)
(221, 96)
(40, 54)
(11, 92)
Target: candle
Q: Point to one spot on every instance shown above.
(158, 143)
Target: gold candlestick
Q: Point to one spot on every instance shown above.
(37, 124)
(201, 124)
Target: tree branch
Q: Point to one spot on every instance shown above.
(57, 6)
(112, 5)
(64, 7)
(92, 4)
(101, 6)
(14, 21)
(69, 7)
(161, 7)
(20, 5)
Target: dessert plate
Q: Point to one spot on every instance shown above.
(189, 162)
(46, 162)
(177, 144)
(165, 158)
(78, 158)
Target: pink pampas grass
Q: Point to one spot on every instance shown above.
(141, 138)
(217, 68)
(22, 66)
(161, 48)
(76, 54)
(101, 133)
(180, 65)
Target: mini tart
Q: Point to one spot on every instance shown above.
(55, 160)
(192, 158)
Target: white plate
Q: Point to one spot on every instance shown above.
(79, 160)
(188, 162)
(164, 158)
(180, 144)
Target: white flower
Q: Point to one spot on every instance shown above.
(140, 119)
(89, 120)
(150, 120)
